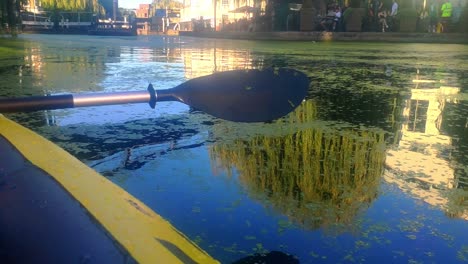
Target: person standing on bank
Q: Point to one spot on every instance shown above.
(394, 11)
(456, 14)
(433, 16)
(392, 16)
(446, 14)
(376, 7)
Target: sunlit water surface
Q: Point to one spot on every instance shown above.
(372, 167)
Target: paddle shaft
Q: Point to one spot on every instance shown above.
(36, 103)
(237, 95)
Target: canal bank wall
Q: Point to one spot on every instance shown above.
(397, 37)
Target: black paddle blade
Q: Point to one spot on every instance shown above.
(244, 95)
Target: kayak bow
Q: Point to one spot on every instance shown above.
(55, 209)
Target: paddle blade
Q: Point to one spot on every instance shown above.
(245, 95)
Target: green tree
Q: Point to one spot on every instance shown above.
(9, 15)
(169, 4)
(76, 5)
(57, 6)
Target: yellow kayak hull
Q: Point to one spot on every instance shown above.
(47, 194)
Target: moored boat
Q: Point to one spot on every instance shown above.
(61, 23)
(55, 209)
(113, 28)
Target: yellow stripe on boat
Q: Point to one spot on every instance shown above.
(146, 236)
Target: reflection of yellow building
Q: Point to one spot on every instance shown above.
(51, 75)
(205, 60)
(417, 165)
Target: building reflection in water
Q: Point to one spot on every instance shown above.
(63, 70)
(421, 164)
(205, 60)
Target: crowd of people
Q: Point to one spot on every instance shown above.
(378, 17)
(432, 16)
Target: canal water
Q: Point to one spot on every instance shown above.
(371, 167)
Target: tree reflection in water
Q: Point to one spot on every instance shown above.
(319, 174)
